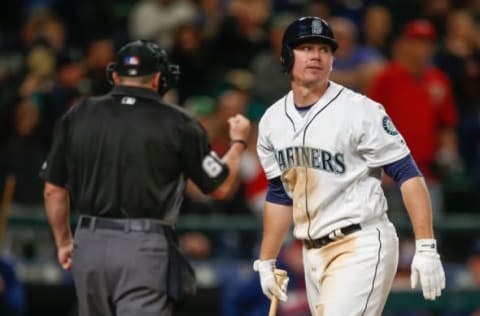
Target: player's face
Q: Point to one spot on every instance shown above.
(313, 63)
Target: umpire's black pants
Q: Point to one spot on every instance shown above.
(120, 272)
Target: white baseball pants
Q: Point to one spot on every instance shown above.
(353, 275)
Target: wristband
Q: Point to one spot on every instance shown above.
(240, 141)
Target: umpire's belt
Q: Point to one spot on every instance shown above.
(334, 235)
(132, 224)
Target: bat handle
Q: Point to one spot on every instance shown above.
(273, 306)
(279, 276)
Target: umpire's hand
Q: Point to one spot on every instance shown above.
(239, 127)
(64, 253)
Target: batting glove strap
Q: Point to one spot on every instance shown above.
(426, 245)
(269, 286)
(427, 269)
(264, 265)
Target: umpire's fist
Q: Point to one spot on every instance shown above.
(239, 127)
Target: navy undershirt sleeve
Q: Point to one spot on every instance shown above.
(276, 193)
(402, 170)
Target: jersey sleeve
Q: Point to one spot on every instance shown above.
(55, 167)
(378, 141)
(201, 164)
(266, 152)
(402, 170)
(276, 192)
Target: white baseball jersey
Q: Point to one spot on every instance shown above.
(330, 160)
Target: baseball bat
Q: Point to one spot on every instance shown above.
(280, 275)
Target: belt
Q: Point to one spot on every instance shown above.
(334, 235)
(127, 225)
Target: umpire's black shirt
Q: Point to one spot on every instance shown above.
(127, 154)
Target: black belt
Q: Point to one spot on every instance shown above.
(334, 235)
(134, 224)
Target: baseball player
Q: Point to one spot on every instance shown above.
(323, 148)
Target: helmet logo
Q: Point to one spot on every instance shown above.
(131, 60)
(316, 27)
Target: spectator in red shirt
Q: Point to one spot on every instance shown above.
(419, 99)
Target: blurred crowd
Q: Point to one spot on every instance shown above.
(419, 58)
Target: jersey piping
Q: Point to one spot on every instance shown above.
(306, 173)
(375, 274)
(286, 112)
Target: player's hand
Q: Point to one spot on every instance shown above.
(427, 269)
(239, 127)
(270, 287)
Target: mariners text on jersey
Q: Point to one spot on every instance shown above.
(298, 156)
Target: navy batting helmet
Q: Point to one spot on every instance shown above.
(141, 58)
(304, 29)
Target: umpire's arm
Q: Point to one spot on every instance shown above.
(214, 176)
(239, 131)
(56, 195)
(57, 203)
(232, 160)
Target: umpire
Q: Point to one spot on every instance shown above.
(121, 161)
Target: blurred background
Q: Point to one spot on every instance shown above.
(419, 58)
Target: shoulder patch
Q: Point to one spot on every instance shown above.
(388, 126)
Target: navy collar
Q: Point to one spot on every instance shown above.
(137, 92)
(304, 108)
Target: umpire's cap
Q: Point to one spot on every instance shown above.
(305, 29)
(136, 59)
(141, 58)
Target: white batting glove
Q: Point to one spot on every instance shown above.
(270, 287)
(427, 269)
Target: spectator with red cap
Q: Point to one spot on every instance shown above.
(419, 30)
(418, 97)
